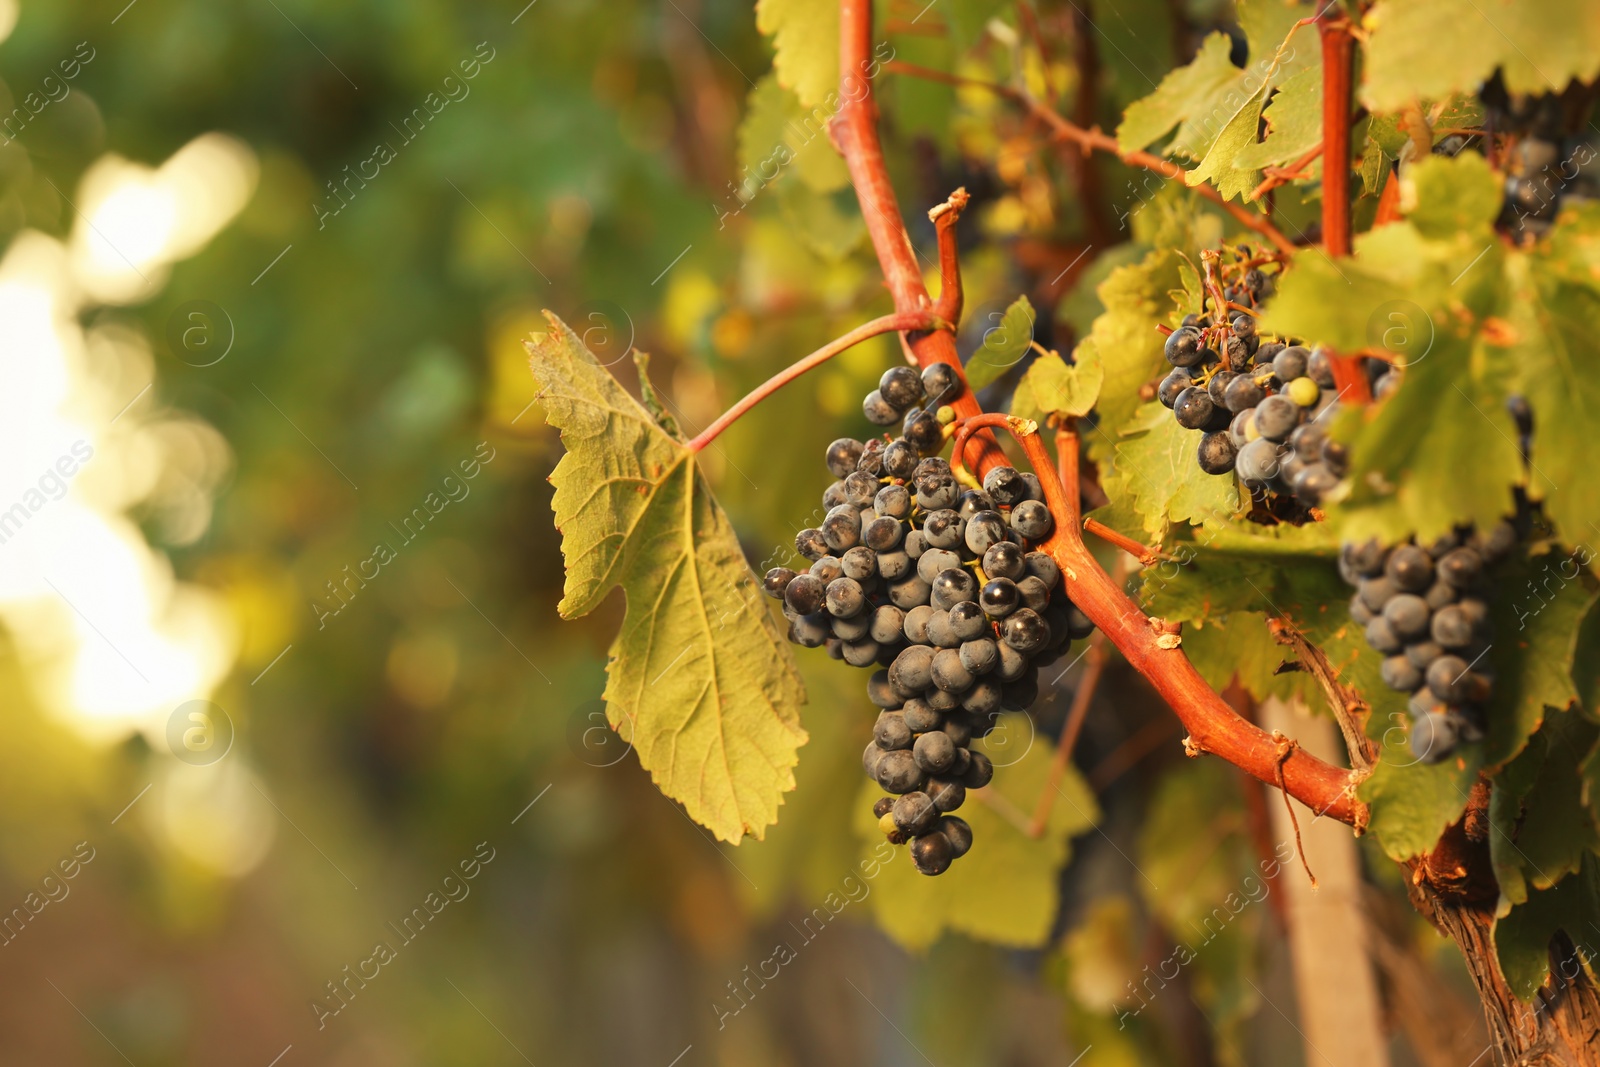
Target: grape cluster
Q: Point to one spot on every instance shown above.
(935, 584)
(1425, 608)
(1259, 400)
(1544, 167)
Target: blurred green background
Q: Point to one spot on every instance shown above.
(283, 310)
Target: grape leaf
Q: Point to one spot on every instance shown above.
(1554, 299)
(1522, 938)
(1179, 95)
(1444, 195)
(1542, 829)
(805, 42)
(1411, 802)
(699, 671)
(1200, 98)
(1536, 612)
(1004, 344)
(1219, 165)
(1431, 48)
(778, 135)
(1052, 386)
(1006, 889)
(1135, 300)
(1442, 448)
(1294, 123)
(1157, 456)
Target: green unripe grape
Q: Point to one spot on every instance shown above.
(946, 414)
(1305, 392)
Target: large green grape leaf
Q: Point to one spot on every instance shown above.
(1410, 802)
(1006, 890)
(1158, 458)
(1179, 95)
(1541, 827)
(1554, 297)
(1442, 448)
(805, 42)
(1220, 166)
(699, 674)
(1052, 386)
(1294, 123)
(1199, 99)
(1522, 938)
(1005, 343)
(1430, 48)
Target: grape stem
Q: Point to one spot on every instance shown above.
(944, 218)
(1145, 554)
(854, 131)
(1095, 140)
(1338, 53)
(899, 321)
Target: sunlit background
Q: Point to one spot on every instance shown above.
(278, 574)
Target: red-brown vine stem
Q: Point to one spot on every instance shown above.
(855, 133)
(1096, 140)
(900, 320)
(1338, 55)
(1213, 726)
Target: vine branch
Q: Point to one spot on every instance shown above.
(900, 320)
(1095, 139)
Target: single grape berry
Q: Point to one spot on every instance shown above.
(1461, 567)
(984, 530)
(1290, 363)
(1241, 393)
(1319, 367)
(1041, 565)
(1217, 453)
(1005, 485)
(1035, 594)
(776, 581)
(1408, 616)
(1409, 568)
(999, 597)
(1005, 560)
(1277, 416)
(940, 383)
(882, 806)
(1257, 463)
(934, 752)
(1304, 392)
(891, 732)
(944, 529)
(879, 411)
(947, 794)
(899, 458)
(893, 501)
(950, 587)
(901, 387)
(1193, 409)
(914, 812)
(967, 621)
(1026, 631)
(932, 853)
(1401, 674)
(973, 501)
(843, 455)
(920, 717)
(1185, 347)
(898, 772)
(1433, 737)
(1032, 520)
(804, 594)
(979, 656)
(980, 773)
(810, 544)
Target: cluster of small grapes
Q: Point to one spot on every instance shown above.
(1260, 401)
(1425, 609)
(935, 584)
(1545, 167)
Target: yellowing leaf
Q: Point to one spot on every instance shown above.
(1052, 386)
(1238, 135)
(1157, 456)
(1430, 48)
(1006, 889)
(805, 40)
(1005, 343)
(699, 673)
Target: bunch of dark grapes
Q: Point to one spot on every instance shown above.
(1259, 400)
(1425, 608)
(937, 585)
(1547, 152)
